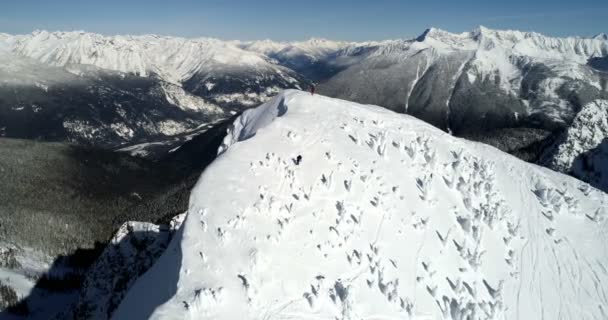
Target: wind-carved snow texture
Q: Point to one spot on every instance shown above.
(383, 217)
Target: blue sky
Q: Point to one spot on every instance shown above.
(297, 20)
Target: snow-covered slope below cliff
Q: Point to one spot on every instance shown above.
(384, 217)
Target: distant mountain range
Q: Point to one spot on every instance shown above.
(149, 94)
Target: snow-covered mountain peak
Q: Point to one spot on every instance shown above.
(443, 40)
(521, 43)
(319, 208)
(601, 36)
(174, 59)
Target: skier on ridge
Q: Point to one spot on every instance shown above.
(312, 89)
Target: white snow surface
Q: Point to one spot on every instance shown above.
(385, 217)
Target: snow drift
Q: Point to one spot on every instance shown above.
(386, 217)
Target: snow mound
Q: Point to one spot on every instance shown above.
(253, 120)
(384, 217)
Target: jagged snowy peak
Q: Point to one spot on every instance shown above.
(519, 43)
(582, 150)
(501, 52)
(477, 82)
(522, 43)
(601, 36)
(319, 208)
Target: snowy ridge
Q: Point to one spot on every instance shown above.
(385, 217)
(177, 59)
(522, 43)
(479, 80)
(173, 59)
(497, 52)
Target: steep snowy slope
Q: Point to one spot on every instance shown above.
(582, 150)
(384, 217)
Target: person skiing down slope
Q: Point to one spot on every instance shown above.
(312, 89)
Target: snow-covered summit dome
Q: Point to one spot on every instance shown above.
(382, 216)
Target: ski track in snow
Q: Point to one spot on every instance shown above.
(384, 218)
